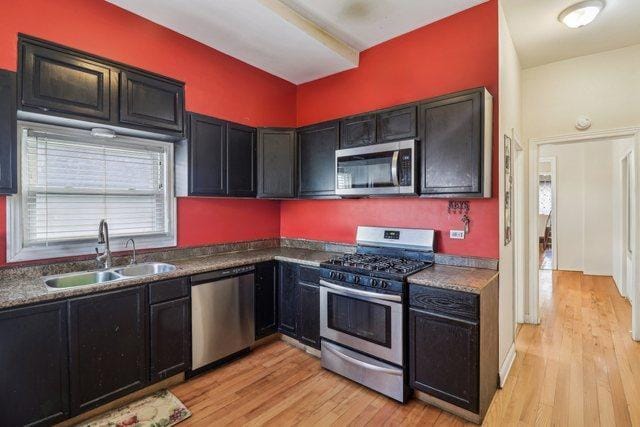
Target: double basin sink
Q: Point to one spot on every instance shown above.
(86, 278)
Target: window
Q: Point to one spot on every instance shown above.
(70, 180)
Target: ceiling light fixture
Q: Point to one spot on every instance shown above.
(581, 14)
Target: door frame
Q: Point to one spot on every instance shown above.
(554, 206)
(533, 308)
(519, 235)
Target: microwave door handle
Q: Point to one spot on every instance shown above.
(394, 168)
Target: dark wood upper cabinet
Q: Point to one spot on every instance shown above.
(266, 299)
(34, 379)
(8, 134)
(151, 102)
(241, 160)
(276, 163)
(108, 341)
(170, 343)
(444, 358)
(317, 146)
(397, 124)
(456, 139)
(358, 130)
(287, 299)
(53, 80)
(60, 81)
(207, 156)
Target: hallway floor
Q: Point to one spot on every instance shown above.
(579, 367)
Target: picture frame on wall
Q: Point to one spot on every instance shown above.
(508, 190)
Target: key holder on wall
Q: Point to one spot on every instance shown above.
(461, 207)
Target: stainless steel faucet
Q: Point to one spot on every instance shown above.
(104, 260)
(133, 243)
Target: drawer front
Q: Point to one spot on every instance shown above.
(168, 290)
(309, 274)
(452, 303)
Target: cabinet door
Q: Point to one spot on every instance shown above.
(287, 299)
(309, 314)
(317, 147)
(151, 102)
(170, 338)
(276, 163)
(444, 358)
(60, 82)
(107, 347)
(207, 156)
(452, 145)
(241, 160)
(266, 286)
(8, 136)
(34, 381)
(357, 131)
(397, 124)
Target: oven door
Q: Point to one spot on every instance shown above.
(376, 169)
(365, 321)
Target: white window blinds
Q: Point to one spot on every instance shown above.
(71, 180)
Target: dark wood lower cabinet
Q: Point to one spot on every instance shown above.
(107, 347)
(170, 343)
(34, 381)
(287, 299)
(265, 299)
(309, 314)
(444, 356)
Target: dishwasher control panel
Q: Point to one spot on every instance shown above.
(218, 274)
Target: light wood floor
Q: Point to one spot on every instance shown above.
(579, 367)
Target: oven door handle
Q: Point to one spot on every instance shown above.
(358, 292)
(360, 363)
(394, 168)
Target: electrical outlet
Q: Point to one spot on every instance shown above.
(456, 234)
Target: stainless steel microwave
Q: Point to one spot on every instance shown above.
(375, 170)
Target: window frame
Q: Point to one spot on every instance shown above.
(17, 252)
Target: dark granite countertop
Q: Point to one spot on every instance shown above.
(17, 290)
(465, 279)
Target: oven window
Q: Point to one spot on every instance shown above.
(365, 171)
(362, 319)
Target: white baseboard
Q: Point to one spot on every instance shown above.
(531, 320)
(507, 364)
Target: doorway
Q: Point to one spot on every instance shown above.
(586, 224)
(627, 224)
(546, 222)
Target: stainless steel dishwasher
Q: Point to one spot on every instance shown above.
(222, 318)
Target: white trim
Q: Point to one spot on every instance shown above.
(505, 369)
(533, 316)
(519, 232)
(15, 252)
(554, 207)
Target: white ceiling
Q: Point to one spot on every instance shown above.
(255, 34)
(540, 38)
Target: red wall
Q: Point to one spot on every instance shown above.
(216, 84)
(459, 52)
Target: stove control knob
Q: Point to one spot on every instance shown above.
(332, 274)
(384, 284)
(340, 276)
(356, 280)
(374, 283)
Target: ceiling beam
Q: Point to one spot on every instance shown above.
(313, 30)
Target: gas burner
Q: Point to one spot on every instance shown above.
(377, 264)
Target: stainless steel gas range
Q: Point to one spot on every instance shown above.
(362, 306)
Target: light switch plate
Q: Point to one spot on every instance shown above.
(456, 234)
